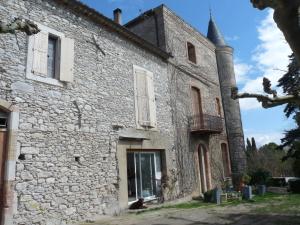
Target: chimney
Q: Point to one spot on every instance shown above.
(118, 16)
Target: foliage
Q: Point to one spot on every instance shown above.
(268, 158)
(246, 179)
(260, 176)
(290, 83)
(294, 186)
(208, 196)
(296, 167)
(251, 146)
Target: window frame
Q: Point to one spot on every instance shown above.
(29, 74)
(56, 56)
(188, 52)
(226, 161)
(218, 107)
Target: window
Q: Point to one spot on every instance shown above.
(3, 120)
(191, 52)
(144, 98)
(144, 175)
(50, 57)
(218, 106)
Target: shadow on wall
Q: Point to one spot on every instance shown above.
(237, 219)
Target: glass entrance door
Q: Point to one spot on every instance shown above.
(144, 175)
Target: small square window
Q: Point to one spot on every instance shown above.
(3, 122)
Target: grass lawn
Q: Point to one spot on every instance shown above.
(279, 204)
(271, 203)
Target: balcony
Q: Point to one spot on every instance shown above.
(206, 124)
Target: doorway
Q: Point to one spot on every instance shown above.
(204, 166)
(3, 155)
(143, 175)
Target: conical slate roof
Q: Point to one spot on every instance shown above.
(214, 34)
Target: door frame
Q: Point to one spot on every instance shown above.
(10, 200)
(204, 167)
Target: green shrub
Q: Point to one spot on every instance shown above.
(294, 186)
(260, 176)
(208, 196)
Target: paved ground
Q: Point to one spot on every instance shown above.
(238, 215)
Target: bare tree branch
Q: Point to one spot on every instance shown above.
(267, 102)
(19, 24)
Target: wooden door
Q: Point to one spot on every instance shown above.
(197, 107)
(3, 136)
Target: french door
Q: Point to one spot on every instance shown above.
(144, 175)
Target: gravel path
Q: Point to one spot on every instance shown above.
(237, 215)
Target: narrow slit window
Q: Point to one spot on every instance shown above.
(52, 56)
(191, 52)
(218, 106)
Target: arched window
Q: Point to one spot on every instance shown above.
(218, 106)
(226, 160)
(191, 52)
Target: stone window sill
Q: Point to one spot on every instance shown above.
(46, 80)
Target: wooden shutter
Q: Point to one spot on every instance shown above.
(142, 97)
(40, 50)
(67, 60)
(152, 105)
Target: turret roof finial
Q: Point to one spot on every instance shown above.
(213, 33)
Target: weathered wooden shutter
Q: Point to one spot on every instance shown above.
(142, 97)
(67, 60)
(152, 105)
(40, 50)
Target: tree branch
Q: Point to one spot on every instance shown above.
(267, 102)
(19, 24)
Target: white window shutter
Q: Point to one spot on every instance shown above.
(152, 104)
(67, 60)
(142, 98)
(40, 51)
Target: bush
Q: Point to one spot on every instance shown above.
(208, 196)
(294, 186)
(260, 176)
(276, 182)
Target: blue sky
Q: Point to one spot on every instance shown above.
(260, 50)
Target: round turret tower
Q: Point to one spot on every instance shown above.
(234, 128)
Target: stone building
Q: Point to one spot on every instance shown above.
(94, 114)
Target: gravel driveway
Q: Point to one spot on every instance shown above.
(238, 215)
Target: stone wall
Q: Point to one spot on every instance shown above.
(69, 173)
(182, 75)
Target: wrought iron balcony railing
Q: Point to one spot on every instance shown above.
(206, 124)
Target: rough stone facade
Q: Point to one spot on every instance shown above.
(168, 31)
(71, 161)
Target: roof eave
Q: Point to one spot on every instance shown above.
(82, 9)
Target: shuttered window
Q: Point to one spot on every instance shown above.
(40, 50)
(145, 98)
(50, 57)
